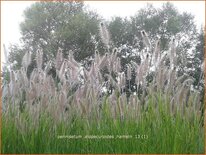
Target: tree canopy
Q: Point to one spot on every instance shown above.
(65, 25)
(71, 27)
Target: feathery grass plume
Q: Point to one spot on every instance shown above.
(196, 101)
(137, 71)
(171, 80)
(39, 58)
(104, 34)
(113, 59)
(32, 93)
(103, 61)
(121, 80)
(183, 91)
(114, 54)
(164, 77)
(156, 54)
(141, 74)
(33, 76)
(41, 76)
(12, 84)
(52, 86)
(129, 72)
(96, 56)
(24, 77)
(59, 59)
(118, 65)
(62, 71)
(146, 39)
(92, 72)
(159, 78)
(99, 77)
(19, 78)
(146, 64)
(72, 60)
(74, 75)
(173, 53)
(26, 60)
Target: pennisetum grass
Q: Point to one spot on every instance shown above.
(81, 103)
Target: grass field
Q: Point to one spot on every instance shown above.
(94, 109)
(155, 131)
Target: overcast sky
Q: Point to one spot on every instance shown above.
(12, 11)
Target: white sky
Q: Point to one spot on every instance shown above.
(12, 11)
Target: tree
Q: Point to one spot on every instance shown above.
(163, 23)
(52, 25)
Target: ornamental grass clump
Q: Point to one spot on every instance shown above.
(78, 93)
(81, 89)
